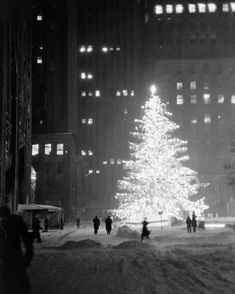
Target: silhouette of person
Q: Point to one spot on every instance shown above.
(13, 262)
(78, 221)
(189, 224)
(36, 229)
(46, 224)
(145, 231)
(96, 224)
(108, 225)
(194, 222)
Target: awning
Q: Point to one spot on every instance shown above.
(38, 207)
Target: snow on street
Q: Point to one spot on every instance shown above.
(75, 261)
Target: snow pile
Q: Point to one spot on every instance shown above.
(81, 244)
(132, 244)
(126, 232)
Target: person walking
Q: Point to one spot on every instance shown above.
(78, 221)
(13, 262)
(194, 222)
(145, 231)
(96, 224)
(108, 225)
(189, 224)
(36, 229)
(46, 224)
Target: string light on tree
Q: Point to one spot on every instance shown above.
(155, 177)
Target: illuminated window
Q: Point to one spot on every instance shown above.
(125, 93)
(90, 171)
(207, 118)
(193, 99)
(39, 59)
(41, 48)
(83, 93)
(193, 85)
(169, 8)
(118, 48)
(194, 120)
(212, 7)
(220, 98)
(125, 111)
(82, 49)
(39, 17)
(97, 171)
(158, 9)
(111, 161)
(35, 149)
(118, 93)
(179, 8)
(132, 93)
(60, 149)
(192, 8)
(105, 49)
(90, 121)
(105, 162)
(207, 98)
(232, 4)
(83, 121)
(179, 85)
(179, 99)
(97, 93)
(83, 75)
(47, 149)
(89, 49)
(202, 7)
(89, 76)
(233, 99)
(90, 153)
(110, 48)
(83, 153)
(225, 7)
(90, 93)
(119, 161)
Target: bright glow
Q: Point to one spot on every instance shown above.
(192, 8)
(158, 9)
(83, 152)
(225, 7)
(233, 99)
(215, 225)
(118, 93)
(83, 121)
(193, 99)
(41, 48)
(212, 7)
(83, 93)
(39, 17)
(220, 98)
(47, 149)
(207, 118)
(97, 171)
(179, 8)
(90, 171)
(155, 178)
(89, 49)
(90, 153)
(105, 162)
(90, 121)
(90, 93)
(118, 48)
(232, 4)
(179, 85)
(202, 7)
(193, 85)
(153, 90)
(119, 161)
(90, 76)
(35, 149)
(60, 149)
(82, 49)
(132, 93)
(194, 120)
(179, 99)
(111, 161)
(83, 75)
(39, 59)
(105, 49)
(97, 93)
(169, 8)
(207, 98)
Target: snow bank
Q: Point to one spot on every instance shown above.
(132, 244)
(126, 232)
(81, 244)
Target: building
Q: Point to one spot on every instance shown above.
(95, 61)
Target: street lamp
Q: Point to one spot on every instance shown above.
(153, 90)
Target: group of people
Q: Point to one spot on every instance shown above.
(96, 224)
(191, 223)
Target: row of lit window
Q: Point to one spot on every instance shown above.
(105, 49)
(206, 119)
(206, 99)
(86, 76)
(48, 149)
(193, 8)
(112, 161)
(87, 153)
(97, 93)
(88, 121)
(193, 86)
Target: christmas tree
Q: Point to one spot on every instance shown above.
(156, 181)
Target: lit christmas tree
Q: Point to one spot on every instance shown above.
(156, 181)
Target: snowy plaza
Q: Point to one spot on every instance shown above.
(172, 261)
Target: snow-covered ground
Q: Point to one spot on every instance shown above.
(75, 261)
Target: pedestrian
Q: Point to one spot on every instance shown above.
(194, 221)
(96, 224)
(36, 229)
(189, 224)
(108, 225)
(78, 221)
(14, 261)
(46, 224)
(61, 222)
(145, 231)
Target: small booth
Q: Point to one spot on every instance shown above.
(54, 214)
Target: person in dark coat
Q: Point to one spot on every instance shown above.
(13, 262)
(189, 224)
(145, 231)
(96, 224)
(46, 224)
(108, 225)
(36, 229)
(194, 222)
(78, 221)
